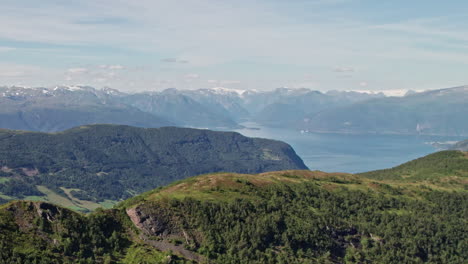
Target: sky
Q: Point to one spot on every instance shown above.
(136, 45)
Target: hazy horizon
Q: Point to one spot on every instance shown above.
(240, 91)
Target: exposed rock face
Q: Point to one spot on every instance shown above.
(47, 211)
(158, 223)
(25, 213)
(155, 223)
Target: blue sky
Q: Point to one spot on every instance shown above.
(153, 45)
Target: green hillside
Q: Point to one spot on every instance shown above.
(273, 217)
(96, 165)
(447, 169)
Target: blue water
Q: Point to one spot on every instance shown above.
(350, 153)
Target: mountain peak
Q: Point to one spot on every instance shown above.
(224, 90)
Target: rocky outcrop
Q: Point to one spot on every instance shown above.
(160, 231)
(153, 224)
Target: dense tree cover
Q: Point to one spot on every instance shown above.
(117, 162)
(43, 233)
(306, 223)
(279, 217)
(409, 214)
(18, 188)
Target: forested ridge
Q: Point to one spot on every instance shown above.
(274, 217)
(99, 163)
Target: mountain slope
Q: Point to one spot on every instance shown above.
(275, 217)
(49, 110)
(444, 168)
(433, 112)
(182, 109)
(293, 107)
(221, 100)
(462, 145)
(110, 162)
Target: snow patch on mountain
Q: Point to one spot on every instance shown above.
(394, 92)
(223, 90)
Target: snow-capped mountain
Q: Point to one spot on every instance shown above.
(60, 107)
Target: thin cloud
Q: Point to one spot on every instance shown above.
(309, 76)
(6, 49)
(169, 60)
(228, 82)
(101, 80)
(344, 69)
(116, 67)
(77, 70)
(192, 76)
(9, 74)
(174, 60)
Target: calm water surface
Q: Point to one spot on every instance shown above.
(349, 153)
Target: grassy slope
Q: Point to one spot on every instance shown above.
(446, 170)
(67, 201)
(442, 171)
(227, 187)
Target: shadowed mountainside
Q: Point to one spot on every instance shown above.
(100, 163)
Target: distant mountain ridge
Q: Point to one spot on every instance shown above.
(435, 112)
(461, 145)
(60, 108)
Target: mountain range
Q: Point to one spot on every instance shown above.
(440, 112)
(437, 112)
(413, 213)
(60, 108)
(461, 145)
